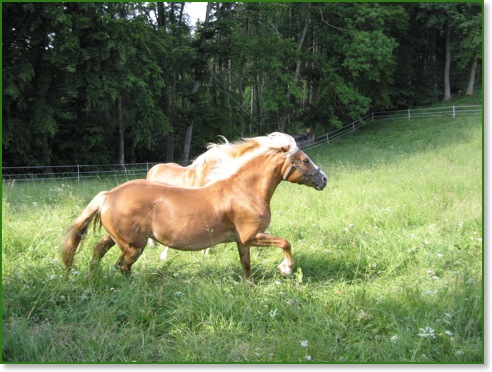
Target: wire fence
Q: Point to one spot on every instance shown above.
(409, 114)
(134, 170)
(74, 172)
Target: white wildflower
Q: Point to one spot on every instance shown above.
(308, 357)
(427, 332)
(448, 333)
(304, 343)
(394, 338)
(273, 313)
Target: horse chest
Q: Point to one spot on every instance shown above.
(254, 216)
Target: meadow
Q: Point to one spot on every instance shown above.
(388, 268)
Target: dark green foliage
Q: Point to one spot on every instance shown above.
(124, 82)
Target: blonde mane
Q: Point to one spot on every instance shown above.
(232, 156)
(213, 153)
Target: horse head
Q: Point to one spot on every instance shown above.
(299, 168)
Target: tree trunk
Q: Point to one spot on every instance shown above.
(471, 82)
(121, 132)
(187, 145)
(285, 112)
(196, 85)
(241, 108)
(447, 67)
(170, 147)
(259, 107)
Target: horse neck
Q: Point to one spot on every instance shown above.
(260, 177)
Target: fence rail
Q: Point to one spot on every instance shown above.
(409, 114)
(77, 172)
(451, 111)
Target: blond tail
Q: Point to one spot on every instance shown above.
(79, 228)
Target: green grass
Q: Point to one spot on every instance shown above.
(392, 246)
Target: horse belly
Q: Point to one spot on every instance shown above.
(185, 228)
(193, 239)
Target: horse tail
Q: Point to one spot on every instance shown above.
(79, 228)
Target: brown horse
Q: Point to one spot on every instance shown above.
(234, 207)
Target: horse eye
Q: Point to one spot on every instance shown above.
(305, 161)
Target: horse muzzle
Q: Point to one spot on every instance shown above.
(320, 183)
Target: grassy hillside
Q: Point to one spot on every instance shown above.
(389, 267)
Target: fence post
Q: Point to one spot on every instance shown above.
(78, 172)
(408, 114)
(454, 112)
(327, 139)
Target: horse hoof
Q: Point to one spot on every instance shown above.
(285, 269)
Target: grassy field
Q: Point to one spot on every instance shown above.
(388, 268)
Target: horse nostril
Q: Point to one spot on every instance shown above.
(325, 180)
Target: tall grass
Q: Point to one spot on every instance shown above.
(388, 268)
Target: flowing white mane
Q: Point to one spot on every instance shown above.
(232, 156)
(212, 154)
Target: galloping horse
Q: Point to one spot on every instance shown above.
(233, 207)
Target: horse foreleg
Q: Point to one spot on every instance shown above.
(163, 255)
(266, 240)
(152, 244)
(100, 249)
(244, 256)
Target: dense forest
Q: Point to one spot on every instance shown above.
(99, 83)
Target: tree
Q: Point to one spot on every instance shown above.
(30, 83)
(459, 24)
(123, 82)
(198, 73)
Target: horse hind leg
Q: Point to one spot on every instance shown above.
(129, 255)
(100, 249)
